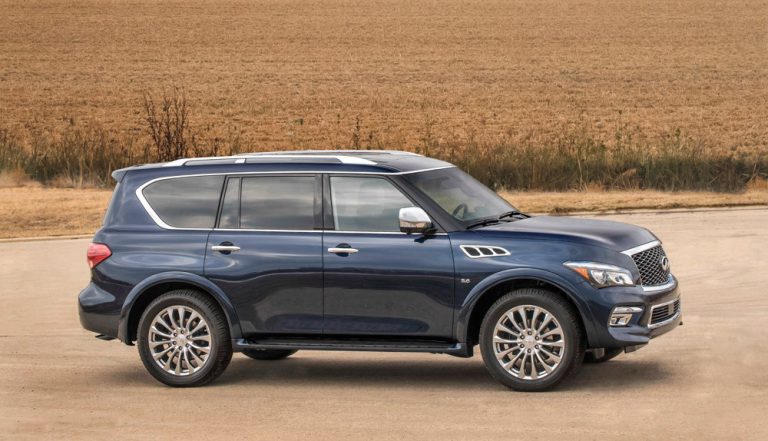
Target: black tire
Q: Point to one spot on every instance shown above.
(268, 354)
(220, 344)
(609, 354)
(572, 335)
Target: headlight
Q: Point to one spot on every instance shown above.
(601, 275)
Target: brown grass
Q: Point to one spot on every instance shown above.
(569, 202)
(35, 211)
(334, 72)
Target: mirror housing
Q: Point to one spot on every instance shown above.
(414, 220)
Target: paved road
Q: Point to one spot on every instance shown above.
(706, 380)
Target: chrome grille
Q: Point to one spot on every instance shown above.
(663, 312)
(649, 264)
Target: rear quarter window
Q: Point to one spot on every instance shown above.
(190, 202)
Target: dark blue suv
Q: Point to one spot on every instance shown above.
(267, 254)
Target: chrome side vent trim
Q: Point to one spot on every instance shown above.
(480, 251)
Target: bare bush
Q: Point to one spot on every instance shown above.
(168, 125)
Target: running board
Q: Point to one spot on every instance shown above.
(457, 349)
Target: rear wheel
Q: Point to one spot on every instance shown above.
(183, 339)
(531, 340)
(268, 354)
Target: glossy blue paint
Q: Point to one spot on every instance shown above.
(275, 280)
(396, 285)
(181, 278)
(400, 288)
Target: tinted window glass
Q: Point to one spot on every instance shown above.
(460, 194)
(230, 208)
(278, 203)
(366, 204)
(186, 202)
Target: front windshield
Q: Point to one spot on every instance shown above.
(460, 194)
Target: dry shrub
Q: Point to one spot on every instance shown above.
(574, 159)
(757, 183)
(16, 178)
(168, 125)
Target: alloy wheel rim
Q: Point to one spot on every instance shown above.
(180, 340)
(528, 342)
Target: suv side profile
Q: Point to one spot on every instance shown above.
(268, 254)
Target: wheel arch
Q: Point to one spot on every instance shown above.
(484, 294)
(144, 293)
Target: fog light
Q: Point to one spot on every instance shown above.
(622, 315)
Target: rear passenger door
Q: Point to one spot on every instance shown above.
(389, 283)
(265, 252)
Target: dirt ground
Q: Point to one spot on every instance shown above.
(706, 380)
(34, 211)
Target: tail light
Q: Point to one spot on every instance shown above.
(97, 253)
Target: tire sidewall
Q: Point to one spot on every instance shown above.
(218, 341)
(574, 346)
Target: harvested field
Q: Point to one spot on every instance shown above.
(282, 74)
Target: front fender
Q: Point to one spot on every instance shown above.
(571, 291)
(178, 277)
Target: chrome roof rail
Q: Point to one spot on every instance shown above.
(333, 152)
(240, 159)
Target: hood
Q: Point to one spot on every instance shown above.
(616, 236)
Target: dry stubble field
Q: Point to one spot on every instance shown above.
(301, 73)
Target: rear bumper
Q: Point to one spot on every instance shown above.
(639, 331)
(99, 311)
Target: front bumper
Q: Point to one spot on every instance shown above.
(639, 330)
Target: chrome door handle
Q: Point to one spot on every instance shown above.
(343, 250)
(227, 248)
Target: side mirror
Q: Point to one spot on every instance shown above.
(414, 220)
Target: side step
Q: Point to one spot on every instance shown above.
(457, 349)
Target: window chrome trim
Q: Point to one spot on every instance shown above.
(160, 223)
(256, 230)
(643, 247)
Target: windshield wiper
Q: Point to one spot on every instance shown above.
(495, 220)
(512, 213)
(483, 222)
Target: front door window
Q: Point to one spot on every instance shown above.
(366, 204)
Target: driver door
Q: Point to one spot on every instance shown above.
(378, 280)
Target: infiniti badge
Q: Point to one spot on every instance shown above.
(664, 262)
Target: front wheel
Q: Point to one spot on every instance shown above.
(183, 339)
(531, 340)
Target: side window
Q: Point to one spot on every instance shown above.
(190, 202)
(277, 203)
(366, 204)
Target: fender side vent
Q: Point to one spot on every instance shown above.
(479, 251)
